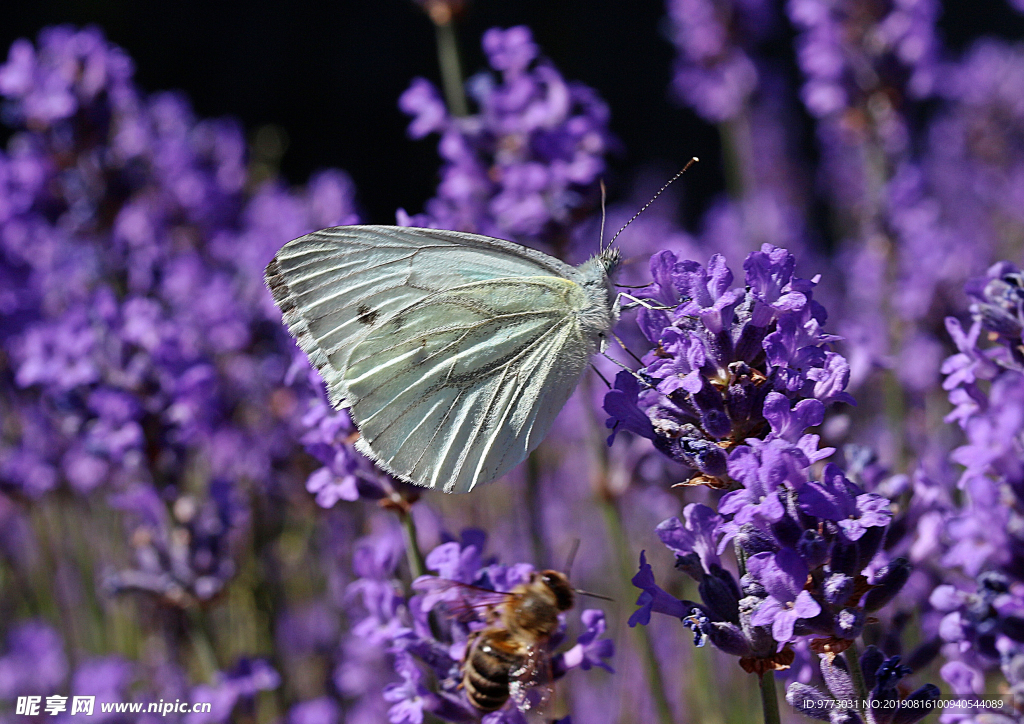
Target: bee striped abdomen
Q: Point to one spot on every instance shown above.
(492, 657)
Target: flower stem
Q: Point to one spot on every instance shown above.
(417, 564)
(769, 699)
(535, 511)
(641, 635)
(202, 647)
(451, 70)
(852, 655)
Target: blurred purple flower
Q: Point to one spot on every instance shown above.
(33, 661)
(526, 160)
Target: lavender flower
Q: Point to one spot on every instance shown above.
(185, 561)
(806, 548)
(730, 364)
(983, 620)
(135, 380)
(783, 576)
(714, 74)
(527, 159)
(33, 661)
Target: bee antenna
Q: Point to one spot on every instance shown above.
(572, 555)
(593, 595)
(653, 199)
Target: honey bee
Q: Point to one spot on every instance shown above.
(509, 658)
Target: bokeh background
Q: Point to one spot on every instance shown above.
(182, 515)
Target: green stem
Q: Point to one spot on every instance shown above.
(451, 70)
(641, 635)
(737, 152)
(769, 699)
(852, 655)
(417, 564)
(199, 634)
(534, 510)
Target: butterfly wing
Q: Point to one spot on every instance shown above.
(454, 351)
(335, 285)
(459, 387)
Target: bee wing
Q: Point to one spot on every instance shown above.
(462, 601)
(531, 684)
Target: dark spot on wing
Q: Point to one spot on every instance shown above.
(366, 315)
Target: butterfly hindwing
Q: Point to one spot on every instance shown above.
(460, 386)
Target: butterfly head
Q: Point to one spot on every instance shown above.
(610, 259)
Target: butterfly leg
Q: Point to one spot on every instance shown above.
(637, 302)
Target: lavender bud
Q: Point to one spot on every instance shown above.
(704, 455)
(849, 623)
(787, 531)
(728, 637)
(870, 660)
(752, 587)
(812, 547)
(843, 556)
(716, 423)
(808, 701)
(868, 544)
(740, 403)
(760, 637)
(890, 580)
(720, 594)
(1012, 627)
(837, 678)
(910, 714)
(838, 587)
(749, 344)
(753, 540)
(689, 564)
(821, 625)
(844, 716)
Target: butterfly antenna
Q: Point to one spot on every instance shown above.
(603, 378)
(626, 367)
(572, 556)
(628, 350)
(604, 196)
(654, 198)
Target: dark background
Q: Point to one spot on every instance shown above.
(330, 75)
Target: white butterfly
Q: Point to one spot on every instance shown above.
(453, 352)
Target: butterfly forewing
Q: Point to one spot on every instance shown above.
(335, 285)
